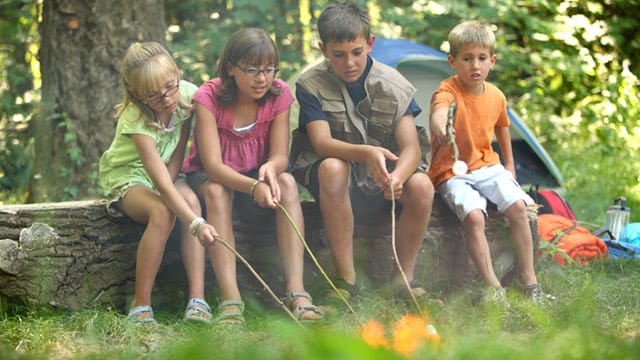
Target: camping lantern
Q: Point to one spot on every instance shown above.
(617, 217)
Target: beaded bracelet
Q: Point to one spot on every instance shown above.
(253, 190)
(195, 225)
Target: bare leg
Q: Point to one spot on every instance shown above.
(219, 204)
(520, 233)
(193, 253)
(291, 247)
(145, 206)
(417, 201)
(478, 247)
(335, 206)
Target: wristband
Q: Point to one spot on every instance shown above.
(253, 190)
(195, 225)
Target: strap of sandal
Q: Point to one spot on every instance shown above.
(236, 316)
(291, 296)
(227, 303)
(299, 310)
(136, 315)
(198, 305)
(198, 310)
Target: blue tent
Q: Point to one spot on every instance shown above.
(425, 67)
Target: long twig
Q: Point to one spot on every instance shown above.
(264, 284)
(395, 251)
(324, 274)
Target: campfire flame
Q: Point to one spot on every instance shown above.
(407, 335)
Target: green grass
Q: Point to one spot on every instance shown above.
(596, 316)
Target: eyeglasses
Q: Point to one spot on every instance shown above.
(253, 71)
(155, 100)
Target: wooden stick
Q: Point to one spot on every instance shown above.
(324, 274)
(251, 269)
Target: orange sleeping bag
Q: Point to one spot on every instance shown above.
(576, 241)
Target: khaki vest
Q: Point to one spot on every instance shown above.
(372, 121)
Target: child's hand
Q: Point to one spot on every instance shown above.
(376, 163)
(262, 195)
(207, 235)
(396, 185)
(268, 175)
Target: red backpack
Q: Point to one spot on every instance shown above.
(574, 240)
(551, 202)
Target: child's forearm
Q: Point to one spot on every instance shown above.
(438, 122)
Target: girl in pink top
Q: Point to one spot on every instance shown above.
(239, 158)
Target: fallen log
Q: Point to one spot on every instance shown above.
(74, 255)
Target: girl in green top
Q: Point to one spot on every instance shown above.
(140, 171)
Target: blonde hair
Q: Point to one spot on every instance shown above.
(471, 32)
(143, 68)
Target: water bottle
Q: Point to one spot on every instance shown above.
(617, 217)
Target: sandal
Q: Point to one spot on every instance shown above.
(141, 315)
(347, 290)
(231, 318)
(414, 287)
(298, 311)
(198, 311)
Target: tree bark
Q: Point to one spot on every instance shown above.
(82, 42)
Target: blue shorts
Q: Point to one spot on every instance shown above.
(471, 191)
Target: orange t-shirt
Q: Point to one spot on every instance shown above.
(474, 123)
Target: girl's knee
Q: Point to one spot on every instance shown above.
(288, 187)
(161, 217)
(287, 182)
(192, 200)
(212, 193)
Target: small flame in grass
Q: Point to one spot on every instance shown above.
(408, 334)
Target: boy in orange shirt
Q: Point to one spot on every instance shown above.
(481, 112)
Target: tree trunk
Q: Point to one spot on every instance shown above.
(82, 42)
(75, 255)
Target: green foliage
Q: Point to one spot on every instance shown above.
(198, 31)
(596, 315)
(570, 70)
(17, 96)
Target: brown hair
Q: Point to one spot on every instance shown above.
(342, 21)
(250, 46)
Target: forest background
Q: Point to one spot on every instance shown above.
(569, 69)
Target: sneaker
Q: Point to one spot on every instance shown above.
(537, 296)
(496, 295)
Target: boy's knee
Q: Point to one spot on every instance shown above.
(420, 185)
(517, 210)
(333, 168)
(474, 218)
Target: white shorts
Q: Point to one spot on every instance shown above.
(471, 191)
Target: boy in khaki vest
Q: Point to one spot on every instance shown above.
(357, 140)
